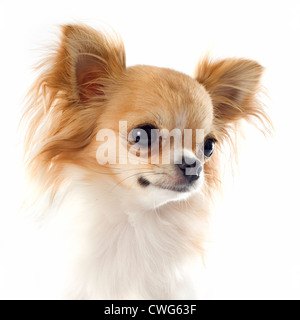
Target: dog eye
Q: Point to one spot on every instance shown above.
(144, 135)
(209, 147)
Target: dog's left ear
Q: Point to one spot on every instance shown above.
(232, 85)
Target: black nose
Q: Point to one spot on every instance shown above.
(191, 168)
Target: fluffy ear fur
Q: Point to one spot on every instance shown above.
(87, 62)
(233, 85)
(67, 98)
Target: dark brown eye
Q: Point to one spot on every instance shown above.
(144, 135)
(209, 147)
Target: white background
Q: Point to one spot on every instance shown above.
(255, 252)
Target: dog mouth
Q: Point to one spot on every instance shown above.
(143, 182)
(175, 188)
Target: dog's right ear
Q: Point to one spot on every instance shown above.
(87, 63)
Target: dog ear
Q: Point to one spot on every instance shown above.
(233, 85)
(87, 63)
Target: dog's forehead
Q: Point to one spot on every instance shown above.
(174, 99)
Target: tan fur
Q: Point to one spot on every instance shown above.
(85, 86)
(57, 125)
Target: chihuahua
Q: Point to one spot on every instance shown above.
(125, 163)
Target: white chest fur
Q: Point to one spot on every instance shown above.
(97, 244)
